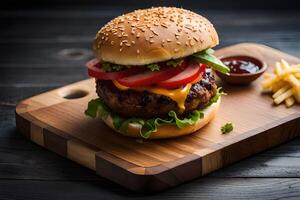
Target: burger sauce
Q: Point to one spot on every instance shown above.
(241, 66)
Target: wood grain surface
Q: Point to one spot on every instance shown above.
(60, 125)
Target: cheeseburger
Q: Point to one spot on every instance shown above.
(153, 71)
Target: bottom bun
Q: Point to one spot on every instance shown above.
(170, 131)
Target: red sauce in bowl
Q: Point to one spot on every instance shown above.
(243, 69)
(241, 66)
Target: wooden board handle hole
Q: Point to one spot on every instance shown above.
(73, 93)
(75, 54)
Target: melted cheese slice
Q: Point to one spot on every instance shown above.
(178, 95)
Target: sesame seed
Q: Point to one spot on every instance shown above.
(168, 40)
(154, 32)
(192, 42)
(138, 51)
(151, 41)
(176, 50)
(164, 25)
(179, 43)
(133, 42)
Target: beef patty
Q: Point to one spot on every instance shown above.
(144, 104)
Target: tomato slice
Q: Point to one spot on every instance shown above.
(94, 70)
(151, 77)
(94, 62)
(188, 75)
(203, 70)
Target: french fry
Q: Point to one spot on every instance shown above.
(296, 66)
(270, 81)
(278, 85)
(280, 91)
(285, 65)
(283, 96)
(297, 94)
(267, 84)
(278, 69)
(284, 83)
(290, 71)
(289, 102)
(293, 80)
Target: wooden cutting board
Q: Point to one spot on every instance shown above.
(56, 120)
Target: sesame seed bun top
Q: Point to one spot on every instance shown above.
(154, 35)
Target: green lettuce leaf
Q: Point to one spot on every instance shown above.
(215, 98)
(190, 120)
(206, 57)
(96, 108)
(175, 62)
(209, 51)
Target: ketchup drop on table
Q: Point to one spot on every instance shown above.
(241, 66)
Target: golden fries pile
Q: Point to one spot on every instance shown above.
(284, 83)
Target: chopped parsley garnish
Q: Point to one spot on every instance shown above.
(153, 67)
(226, 128)
(109, 67)
(205, 57)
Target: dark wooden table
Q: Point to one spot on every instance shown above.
(43, 49)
